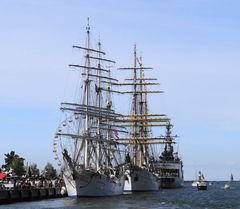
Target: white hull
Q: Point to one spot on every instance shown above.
(139, 179)
(195, 183)
(92, 184)
(69, 183)
(227, 186)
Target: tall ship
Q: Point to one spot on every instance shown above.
(141, 144)
(169, 166)
(83, 143)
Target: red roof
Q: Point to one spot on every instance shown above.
(2, 175)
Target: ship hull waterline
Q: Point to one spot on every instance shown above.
(93, 184)
(69, 183)
(171, 183)
(140, 180)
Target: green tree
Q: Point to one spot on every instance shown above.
(17, 166)
(14, 162)
(8, 160)
(34, 170)
(49, 171)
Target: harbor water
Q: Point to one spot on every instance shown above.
(188, 197)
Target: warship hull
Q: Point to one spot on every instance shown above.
(170, 174)
(171, 182)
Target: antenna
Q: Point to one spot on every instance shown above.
(88, 25)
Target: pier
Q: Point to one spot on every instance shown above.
(18, 195)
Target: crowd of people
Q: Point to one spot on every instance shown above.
(10, 182)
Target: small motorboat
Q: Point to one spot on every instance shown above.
(202, 184)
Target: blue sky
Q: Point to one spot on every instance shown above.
(193, 45)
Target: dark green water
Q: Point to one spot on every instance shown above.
(186, 198)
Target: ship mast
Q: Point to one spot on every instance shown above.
(139, 120)
(144, 112)
(91, 122)
(134, 107)
(99, 94)
(169, 138)
(87, 85)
